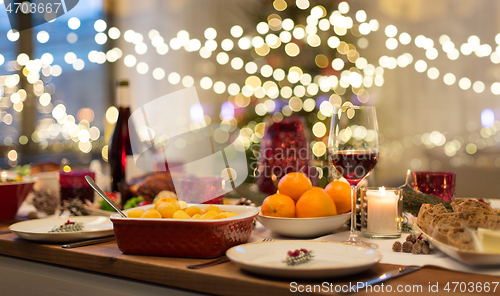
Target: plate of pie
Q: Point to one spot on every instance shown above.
(63, 230)
(329, 259)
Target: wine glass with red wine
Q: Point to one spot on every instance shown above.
(353, 147)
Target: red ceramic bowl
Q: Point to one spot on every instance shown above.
(184, 238)
(12, 195)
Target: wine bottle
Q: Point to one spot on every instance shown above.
(120, 156)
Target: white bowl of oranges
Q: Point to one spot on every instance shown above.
(300, 210)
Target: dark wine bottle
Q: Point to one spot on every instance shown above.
(120, 156)
(119, 146)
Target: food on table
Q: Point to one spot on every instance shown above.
(297, 198)
(165, 194)
(68, 227)
(440, 217)
(180, 214)
(340, 192)
(469, 218)
(192, 210)
(440, 231)
(144, 203)
(278, 205)
(42, 167)
(135, 213)
(315, 203)
(152, 213)
(167, 209)
(148, 186)
(426, 215)
(133, 202)
(490, 240)
(298, 256)
(492, 222)
(164, 200)
(179, 210)
(104, 205)
(457, 237)
(19, 178)
(294, 185)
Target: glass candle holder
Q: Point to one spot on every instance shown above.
(74, 185)
(283, 149)
(381, 212)
(440, 184)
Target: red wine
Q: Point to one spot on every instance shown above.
(120, 149)
(354, 165)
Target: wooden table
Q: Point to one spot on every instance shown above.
(106, 259)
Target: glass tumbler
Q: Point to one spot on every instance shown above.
(440, 184)
(74, 185)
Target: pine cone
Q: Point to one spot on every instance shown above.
(45, 201)
(245, 202)
(411, 238)
(396, 247)
(416, 249)
(407, 247)
(426, 249)
(74, 206)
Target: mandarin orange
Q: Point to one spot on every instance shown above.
(340, 192)
(315, 203)
(294, 185)
(278, 205)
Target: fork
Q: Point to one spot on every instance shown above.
(219, 260)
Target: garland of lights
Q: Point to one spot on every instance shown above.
(364, 75)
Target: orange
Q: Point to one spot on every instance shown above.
(340, 192)
(278, 205)
(294, 185)
(315, 203)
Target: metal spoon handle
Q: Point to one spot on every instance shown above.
(101, 193)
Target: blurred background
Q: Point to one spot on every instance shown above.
(430, 68)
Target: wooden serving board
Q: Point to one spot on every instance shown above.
(223, 279)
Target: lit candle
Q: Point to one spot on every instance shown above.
(382, 211)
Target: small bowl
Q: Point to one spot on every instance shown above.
(303, 227)
(12, 195)
(183, 237)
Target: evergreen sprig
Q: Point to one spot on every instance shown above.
(414, 199)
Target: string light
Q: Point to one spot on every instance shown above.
(368, 76)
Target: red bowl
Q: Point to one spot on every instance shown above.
(12, 195)
(184, 238)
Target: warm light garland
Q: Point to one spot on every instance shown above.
(274, 34)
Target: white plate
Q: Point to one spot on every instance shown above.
(38, 229)
(331, 259)
(304, 227)
(468, 257)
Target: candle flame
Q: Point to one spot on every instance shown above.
(382, 190)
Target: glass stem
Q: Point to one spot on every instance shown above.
(353, 210)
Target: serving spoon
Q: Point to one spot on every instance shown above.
(101, 193)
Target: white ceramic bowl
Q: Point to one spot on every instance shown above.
(303, 227)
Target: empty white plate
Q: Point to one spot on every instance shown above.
(38, 229)
(331, 259)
